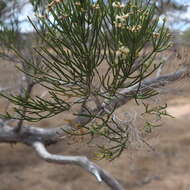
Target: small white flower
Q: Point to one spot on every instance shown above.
(77, 3)
(96, 6)
(119, 25)
(122, 18)
(126, 16)
(123, 50)
(119, 18)
(135, 28)
(156, 35)
(61, 82)
(118, 5)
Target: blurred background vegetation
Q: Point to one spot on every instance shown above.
(14, 22)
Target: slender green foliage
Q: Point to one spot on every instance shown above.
(91, 51)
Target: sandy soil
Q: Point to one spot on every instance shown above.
(139, 168)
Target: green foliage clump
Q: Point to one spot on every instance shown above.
(80, 38)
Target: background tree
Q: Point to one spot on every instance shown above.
(173, 10)
(185, 37)
(163, 6)
(78, 39)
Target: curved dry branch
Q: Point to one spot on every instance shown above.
(81, 161)
(157, 82)
(128, 93)
(38, 138)
(28, 134)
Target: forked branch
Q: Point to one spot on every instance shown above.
(128, 93)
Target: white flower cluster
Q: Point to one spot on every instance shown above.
(118, 5)
(77, 3)
(135, 28)
(120, 23)
(156, 35)
(122, 18)
(123, 50)
(96, 6)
